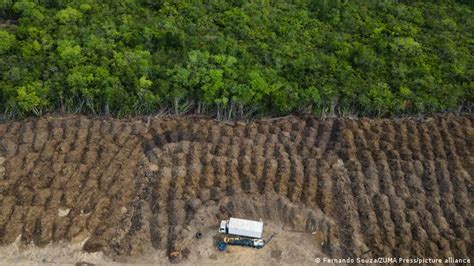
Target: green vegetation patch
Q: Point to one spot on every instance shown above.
(235, 58)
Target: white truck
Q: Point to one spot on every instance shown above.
(242, 227)
(247, 233)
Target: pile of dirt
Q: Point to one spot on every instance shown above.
(360, 188)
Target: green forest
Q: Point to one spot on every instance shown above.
(235, 58)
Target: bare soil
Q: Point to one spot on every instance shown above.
(137, 191)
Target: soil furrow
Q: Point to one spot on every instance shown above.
(355, 187)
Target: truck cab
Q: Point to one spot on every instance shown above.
(223, 227)
(258, 243)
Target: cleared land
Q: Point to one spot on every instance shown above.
(128, 188)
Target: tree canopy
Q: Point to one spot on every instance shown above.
(235, 58)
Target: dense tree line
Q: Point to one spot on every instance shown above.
(235, 58)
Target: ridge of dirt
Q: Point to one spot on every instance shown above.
(367, 187)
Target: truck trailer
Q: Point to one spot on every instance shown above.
(242, 227)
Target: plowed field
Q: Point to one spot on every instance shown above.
(359, 188)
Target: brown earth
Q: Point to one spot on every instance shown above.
(128, 188)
